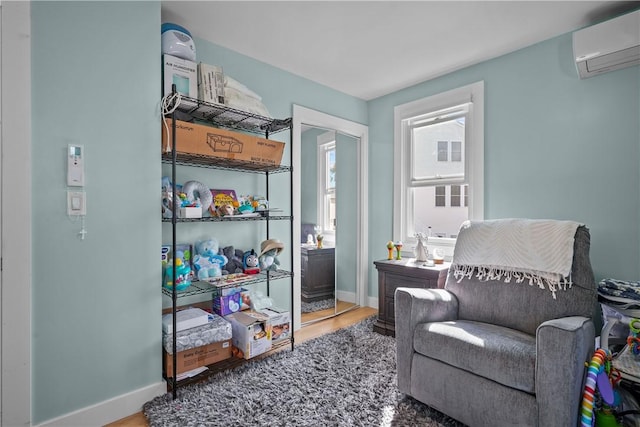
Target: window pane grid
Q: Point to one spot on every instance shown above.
(432, 186)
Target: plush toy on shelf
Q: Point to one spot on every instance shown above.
(234, 260)
(250, 262)
(207, 262)
(269, 251)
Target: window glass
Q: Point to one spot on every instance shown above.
(455, 195)
(443, 151)
(327, 186)
(456, 150)
(439, 146)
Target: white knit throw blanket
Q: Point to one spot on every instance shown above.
(540, 251)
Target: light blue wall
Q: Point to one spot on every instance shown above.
(555, 147)
(96, 80)
(96, 304)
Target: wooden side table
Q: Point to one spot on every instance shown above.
(317, 273)
(406, 273)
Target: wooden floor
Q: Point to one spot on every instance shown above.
(308, 332)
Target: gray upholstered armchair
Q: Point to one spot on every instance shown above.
(490, 353)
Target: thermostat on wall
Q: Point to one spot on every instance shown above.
(75, 166)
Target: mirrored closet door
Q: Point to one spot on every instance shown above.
(329, 217)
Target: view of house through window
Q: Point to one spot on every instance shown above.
(437, 142)
(327, 184)
(438, 177)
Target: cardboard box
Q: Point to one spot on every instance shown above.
(181, 72)
(210, 83)
(251, 332)
(185, 319)
(280, 320)
(227, 304)
(196, 357)
(191, 212)
(193, 138)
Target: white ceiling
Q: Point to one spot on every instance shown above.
(371, 48)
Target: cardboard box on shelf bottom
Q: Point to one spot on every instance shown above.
(196, 357)
(251, 333)
(280, 323)
(192, 138)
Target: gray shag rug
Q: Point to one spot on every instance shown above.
(310, 307)
(345, 378)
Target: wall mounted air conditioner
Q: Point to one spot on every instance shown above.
(608, 46)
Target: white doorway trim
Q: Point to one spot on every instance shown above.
(307, 116)
(15, 213)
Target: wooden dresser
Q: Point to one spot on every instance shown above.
(317, 273)
(406, 273)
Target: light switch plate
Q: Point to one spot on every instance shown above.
(76, 203)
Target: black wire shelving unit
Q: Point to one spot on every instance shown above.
(229, 118)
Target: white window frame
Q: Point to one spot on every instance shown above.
(472, 94)
(326, 141)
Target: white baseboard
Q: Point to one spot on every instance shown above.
(347, 296)
(110, 410)
(372, 302)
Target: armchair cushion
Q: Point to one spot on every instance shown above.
(500, 354)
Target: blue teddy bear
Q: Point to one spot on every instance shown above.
(207, 262)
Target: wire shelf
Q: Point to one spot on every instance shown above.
(231, 118)
(212, 162)
(232, 218)
(198, 287)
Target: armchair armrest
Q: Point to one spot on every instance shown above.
(563, 346)
(412, 307)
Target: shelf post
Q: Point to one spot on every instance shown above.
(174, 293)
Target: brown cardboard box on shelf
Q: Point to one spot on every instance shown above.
(194, 358)
(194, 138)
(251, 333)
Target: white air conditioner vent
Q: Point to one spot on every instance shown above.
(608, 46)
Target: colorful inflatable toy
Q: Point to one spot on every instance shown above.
(597, 378)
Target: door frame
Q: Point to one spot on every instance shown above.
(303, 115)
(15, 213)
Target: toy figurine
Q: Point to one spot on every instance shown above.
(225, 210)
(269, 251)
(390, 249)
(421, 251)
(183, 273)
(398, 246)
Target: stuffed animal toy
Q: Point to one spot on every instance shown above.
(234, 257)
(250, 263)
(225, 210)
(207, 262)
(269, 251)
